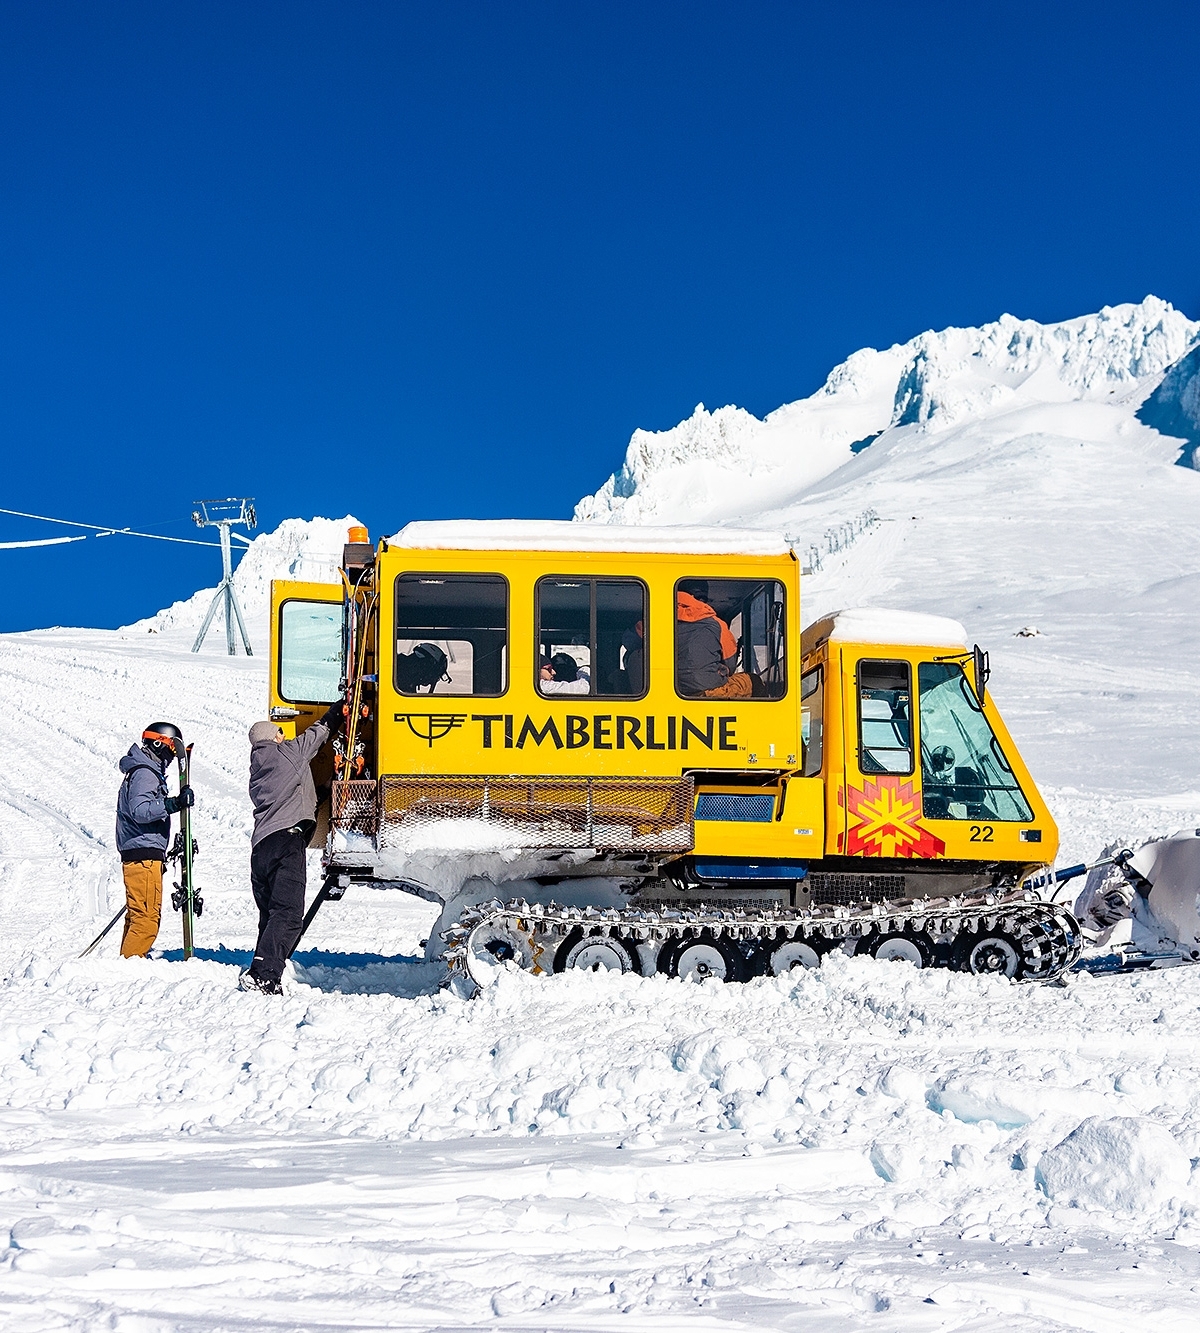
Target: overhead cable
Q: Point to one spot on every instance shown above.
(44, 541)
(106, 531)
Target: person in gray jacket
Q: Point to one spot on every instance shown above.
(285, 814)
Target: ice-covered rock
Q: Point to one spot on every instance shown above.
(1121, 1164)
(1174, 407)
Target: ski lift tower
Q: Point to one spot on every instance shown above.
(224, 514)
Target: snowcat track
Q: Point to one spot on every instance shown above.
(1046, 936)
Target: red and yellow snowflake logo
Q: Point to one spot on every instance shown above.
(884, 819)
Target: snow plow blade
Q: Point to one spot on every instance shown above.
(1166, 904)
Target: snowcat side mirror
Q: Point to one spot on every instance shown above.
(982, 671)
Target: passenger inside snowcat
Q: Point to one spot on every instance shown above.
(589, 622)
(563, 674)
(423, 668)
(729, 639)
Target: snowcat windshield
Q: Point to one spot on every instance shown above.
(963, 770)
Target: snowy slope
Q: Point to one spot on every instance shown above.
(861, 1147)
(856, 1147)
(1173, 408)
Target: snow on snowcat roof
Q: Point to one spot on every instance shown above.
(869, 624)
(511, 534)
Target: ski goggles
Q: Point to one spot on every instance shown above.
(168, 741)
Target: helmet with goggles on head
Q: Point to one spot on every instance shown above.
(164, 740)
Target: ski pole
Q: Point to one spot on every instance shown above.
(104, 932)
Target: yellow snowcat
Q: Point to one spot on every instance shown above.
(605, 747)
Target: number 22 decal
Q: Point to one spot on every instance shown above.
(981, 832)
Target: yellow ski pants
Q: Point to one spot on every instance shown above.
(143, 906)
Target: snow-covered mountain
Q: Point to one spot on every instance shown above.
(727, 464)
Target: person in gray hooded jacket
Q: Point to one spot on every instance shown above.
(285, 814)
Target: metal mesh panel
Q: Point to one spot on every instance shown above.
(843, 889)
(354, 806)
(608, 814)
(740, 807)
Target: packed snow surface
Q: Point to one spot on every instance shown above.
(863, 1146)
(1120, 1164)
(547, 535)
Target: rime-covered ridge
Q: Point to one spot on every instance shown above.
(719, 464)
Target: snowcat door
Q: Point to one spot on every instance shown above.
(307, 670)
(881, 799)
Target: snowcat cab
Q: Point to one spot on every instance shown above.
(624, 731)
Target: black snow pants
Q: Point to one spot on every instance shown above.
(277, 878)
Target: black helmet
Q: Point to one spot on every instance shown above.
(432, 664)
(161, 739)
(565, 667)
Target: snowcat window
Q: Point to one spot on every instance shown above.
(310, 651)
(885, 717)
(812, 720)
(462, 618)
(964, 774)
(729, 639)
(600, 625)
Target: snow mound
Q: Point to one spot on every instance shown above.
(308, 549)
(716, 464)
(1122, 1164)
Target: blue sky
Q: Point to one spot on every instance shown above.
(440, 260)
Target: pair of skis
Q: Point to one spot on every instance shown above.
(185, 899)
